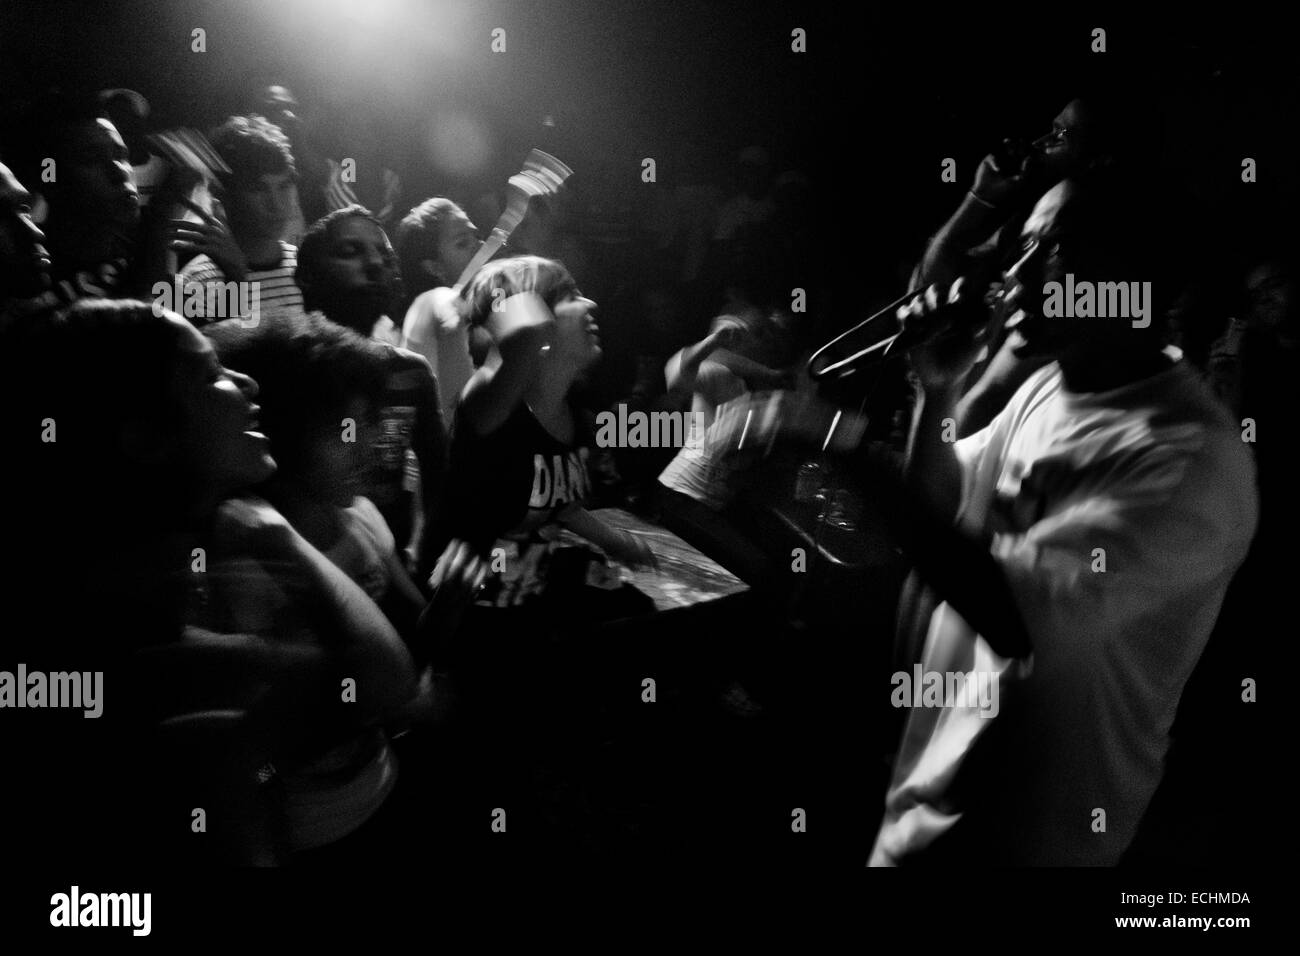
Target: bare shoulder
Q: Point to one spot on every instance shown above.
(405, 360)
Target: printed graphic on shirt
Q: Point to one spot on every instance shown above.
(396, 427)
(559, 479)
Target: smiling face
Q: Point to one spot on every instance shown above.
(220, 441)
(24, 262)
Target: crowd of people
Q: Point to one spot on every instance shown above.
(306, 535)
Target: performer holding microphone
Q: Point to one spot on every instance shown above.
(1076, 552)
(1092, 138)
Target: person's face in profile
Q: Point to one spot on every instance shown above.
(1066, 150)
(221, 444)
(24, 262)
(1042, 259)
(577, 336)
(457, 242)
(94, 176)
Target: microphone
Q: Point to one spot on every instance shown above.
(903, 340)
(969, 312)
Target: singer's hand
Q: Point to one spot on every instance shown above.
(997, 184)
(955, 326)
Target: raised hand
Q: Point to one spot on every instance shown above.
(1001, 179)
(524, 316)
(730, 333)
(211, 236)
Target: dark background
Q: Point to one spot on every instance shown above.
(868, 113)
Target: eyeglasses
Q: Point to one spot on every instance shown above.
(1057, 135)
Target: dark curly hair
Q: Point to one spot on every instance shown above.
(252, 146)
(311, 251)
(307, 370)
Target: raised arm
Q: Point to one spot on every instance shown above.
(983, 210)
(618, 544)
(348, 623)
(520, 328)
(681, 371)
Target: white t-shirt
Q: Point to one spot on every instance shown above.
(703, 468)
(1153, 480)
(434, 328)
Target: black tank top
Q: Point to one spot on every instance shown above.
(512, 482)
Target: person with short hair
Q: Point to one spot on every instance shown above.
(347, 271)
(24, 261)
(260, 199)
(278, 104)
(320, 389)
(435, 242)
(1095, 137)
(156, 449)
(1114, 452)
(1070, 558)
(519, 450)
(92, 220)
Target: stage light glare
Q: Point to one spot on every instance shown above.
(457, 142)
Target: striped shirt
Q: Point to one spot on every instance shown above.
(278, 294)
